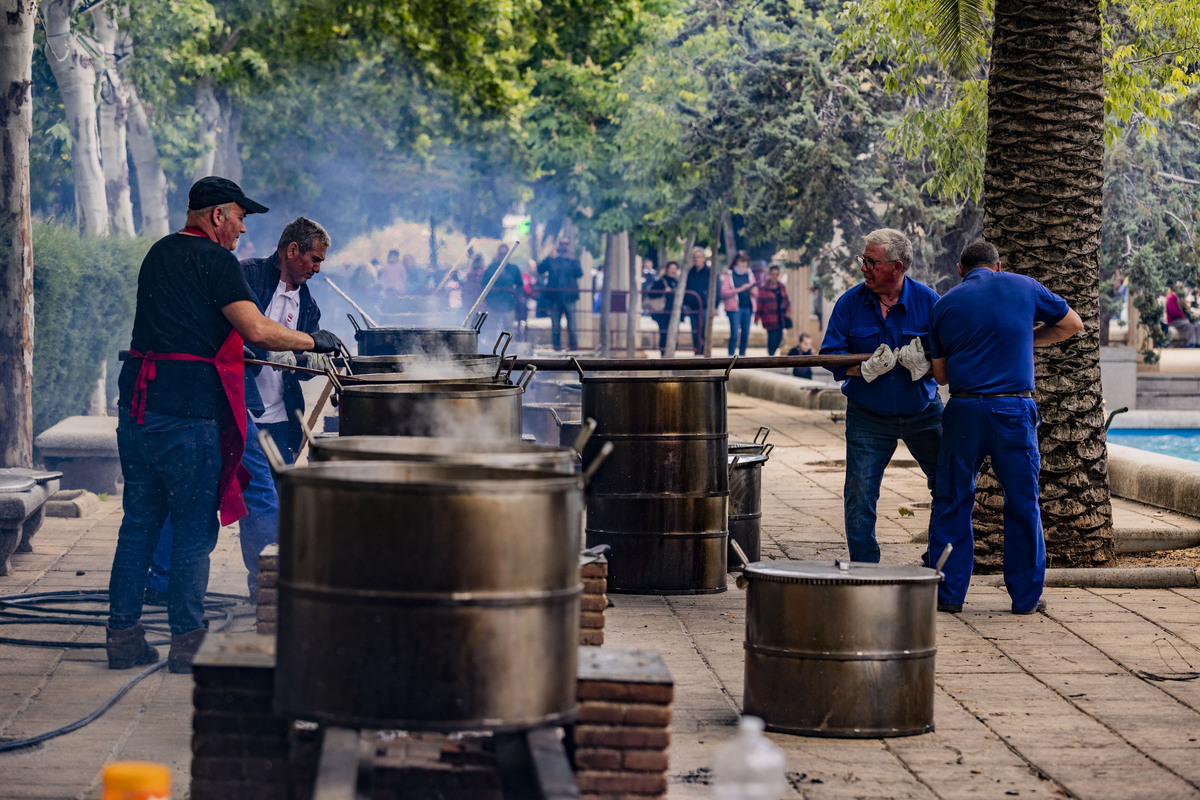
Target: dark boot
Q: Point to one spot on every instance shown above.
(183, 649)
(128, 648)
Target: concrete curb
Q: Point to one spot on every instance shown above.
(1154, 479)
(783, 388)
(1115, 578)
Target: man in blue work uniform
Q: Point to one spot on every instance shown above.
(982, 346)
(883, 315)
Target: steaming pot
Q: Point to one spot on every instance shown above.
(448, 410)
(843, 649)
(428, 596)
(451, 365)
(403, 339)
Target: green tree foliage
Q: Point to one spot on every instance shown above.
(83, 298)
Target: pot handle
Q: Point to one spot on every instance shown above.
(354, 322)
(512, 364)
(941, 562)
(274, 457)
(591, 468)
(526, 376)
(337, 386)
(729, 369)
(480, 317)
(307, 431)
(761, 436)
(579, 369)
(733, 462)
(741, 554)
(505, 337)
(585, 433)
(767, 448)
(342, 361)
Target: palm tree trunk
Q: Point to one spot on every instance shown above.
(1042, 185)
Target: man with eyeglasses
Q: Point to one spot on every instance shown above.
(887, 315)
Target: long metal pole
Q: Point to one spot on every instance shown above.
(488, 288)
(453, 266)
(665, 364)
(366, 317)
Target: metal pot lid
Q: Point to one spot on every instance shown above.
(747, 461)
(16, 483)
(839, 573)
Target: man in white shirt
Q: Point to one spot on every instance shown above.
(279, 283)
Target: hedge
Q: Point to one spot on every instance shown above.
(84, 290)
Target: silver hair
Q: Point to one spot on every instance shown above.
(896, 246)
(304, 232)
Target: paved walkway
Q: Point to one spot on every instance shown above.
(1098, 698)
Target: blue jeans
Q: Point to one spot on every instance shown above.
(279, 434)
(1004, 429)
(870, 442)
(774, 339)
(739, 329)
(557, 311)
(172, 466)
(259, 528)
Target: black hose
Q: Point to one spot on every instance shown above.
(45, 608)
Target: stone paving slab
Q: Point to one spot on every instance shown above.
(1097, 698)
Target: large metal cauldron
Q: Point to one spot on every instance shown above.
(745, 504)
(420, 449)
(449, 365)
(661, 500)
(843, 649)
(448, 410)
(405, 340)
(428, 597)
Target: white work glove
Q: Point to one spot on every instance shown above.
(316, 361)
(912, 355)
(881, 361)
(284, 358)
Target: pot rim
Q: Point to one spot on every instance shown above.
(453, 389)
(374, 475)
(654, 379)
(826, 573)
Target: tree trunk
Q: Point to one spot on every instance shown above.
(16, 277)
(433, 248)
(210, 119)
(114, 113)
(227, 160)
(75, 73)
(1042, 183)
(714, 276)
(677, 302)
(633, 300)
(151, 180)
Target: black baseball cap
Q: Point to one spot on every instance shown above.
(214, 191)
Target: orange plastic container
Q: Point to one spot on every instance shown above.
(136, 780)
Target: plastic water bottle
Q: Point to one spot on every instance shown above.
(749, 767)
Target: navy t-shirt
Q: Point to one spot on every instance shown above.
(740, 280)
(183, 284)
(984, 329)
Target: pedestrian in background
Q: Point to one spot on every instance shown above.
(773, 309)
(738, 291)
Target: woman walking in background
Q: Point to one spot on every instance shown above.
(738, 291)
(773, 308)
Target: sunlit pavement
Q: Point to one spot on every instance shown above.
(1097, 698)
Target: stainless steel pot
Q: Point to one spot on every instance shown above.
(745, 504)
(661, 500)
(757, 447)
(427, 596)
(405, 340)
(449, 365)
(449, 410)
(842, 650)
(476, 452)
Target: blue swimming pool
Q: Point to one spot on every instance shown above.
(1178, 442)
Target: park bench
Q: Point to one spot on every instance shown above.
(84, 449)
(23, 494)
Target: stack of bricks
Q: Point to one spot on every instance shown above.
(268, 591)
(594, 569)
(620, 744)
(417, 766)
(239, 746)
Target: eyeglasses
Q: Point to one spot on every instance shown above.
(870, 263)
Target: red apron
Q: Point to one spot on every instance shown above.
(231, 370)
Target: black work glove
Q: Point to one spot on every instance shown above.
(326, 342)
(248, 353)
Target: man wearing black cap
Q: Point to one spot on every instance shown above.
(182, 421)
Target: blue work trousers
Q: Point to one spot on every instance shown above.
(739, 329)
(259, 528)
(172, 466)
(870, 442)
(1004, 429)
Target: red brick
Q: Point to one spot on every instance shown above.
(597, 759)
(246, 770)
(622, 737)
(633, 782)
(626, 691)
(245, 702)
(265, 629)
(645, 760)
(235, 790)
(267, 596)
(216, 745)
(267, 579)
(595, 586)
(268, 613)
(596, 569)
(591, 637)
(645, 714)
(260, 724)
(593, 602)
(591, 619)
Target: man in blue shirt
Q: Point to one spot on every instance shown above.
(982, 345)
(883, 315)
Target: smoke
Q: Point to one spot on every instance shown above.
(451, 411)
